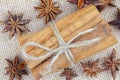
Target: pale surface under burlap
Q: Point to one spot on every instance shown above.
(10, 48)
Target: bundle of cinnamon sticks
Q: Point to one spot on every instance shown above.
(69, 27)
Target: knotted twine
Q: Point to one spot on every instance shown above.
(64, 48)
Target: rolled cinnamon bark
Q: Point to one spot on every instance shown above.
(72, 24)
(81, 52)
(69, 27)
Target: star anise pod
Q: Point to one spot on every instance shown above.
(112, 64)
(116, 22)
(92, 68)
(69, 73)
(48, 9)
(16, 68)
(80, 3)
(15, 24)
(100, 4)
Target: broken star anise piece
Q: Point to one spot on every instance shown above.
(112, 64)
(116, 22)
(91, 68)
(15, 24)
(16, 68)
(48, 9)
(69, 73)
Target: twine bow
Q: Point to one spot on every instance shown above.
(64, 48)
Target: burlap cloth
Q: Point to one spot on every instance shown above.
(10, 48)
